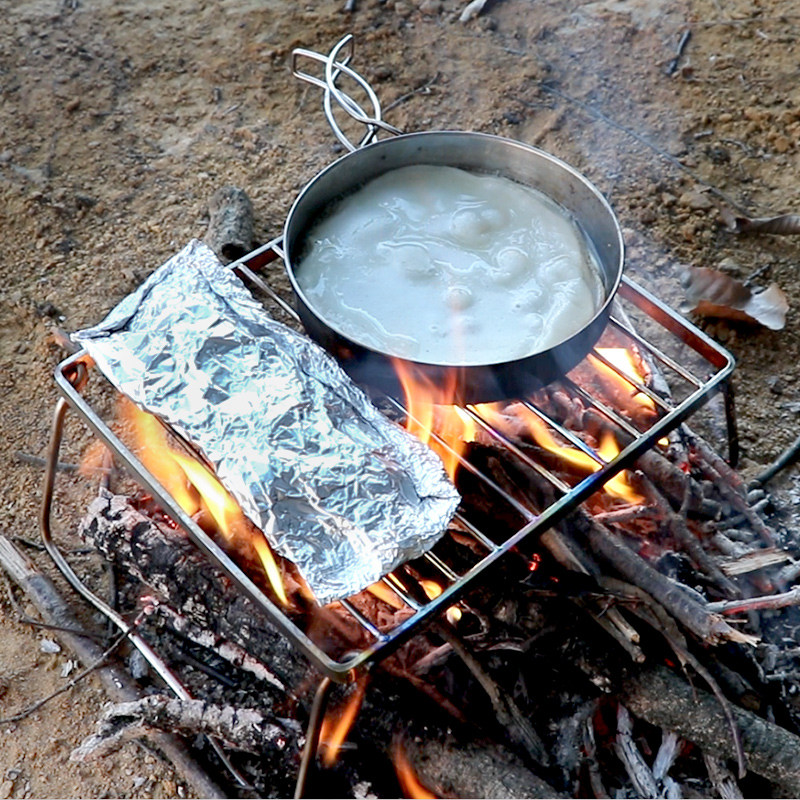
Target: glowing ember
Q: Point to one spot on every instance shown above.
(431, 411)
(618, 486)
(337, 724)
(409, 782)
(195, 488)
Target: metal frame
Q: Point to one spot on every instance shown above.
(71, 376)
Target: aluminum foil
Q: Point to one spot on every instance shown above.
(335, 486)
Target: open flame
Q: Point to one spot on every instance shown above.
(196, 489)
(432, 591)
(623, 360)
(431, 410)
(337, 724)
(409, 782)
(619, 486)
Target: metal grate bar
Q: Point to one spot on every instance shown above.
(437, 562)
(363, 621)
(394, 583)
(633, 382)
(658, 354)
(513, 448)
(607, 412)
(566, 433)
(462, 462)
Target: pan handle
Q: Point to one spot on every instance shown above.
(334, 67)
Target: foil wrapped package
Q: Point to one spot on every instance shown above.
(335, 486)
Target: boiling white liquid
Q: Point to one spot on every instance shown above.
(440, 265)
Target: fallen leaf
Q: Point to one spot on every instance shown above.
(712, 293)
(784, 225)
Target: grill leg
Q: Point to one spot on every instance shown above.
(312, 735)
(730, 420)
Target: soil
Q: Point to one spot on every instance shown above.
(119, 120)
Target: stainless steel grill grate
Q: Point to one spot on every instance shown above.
(695, 369)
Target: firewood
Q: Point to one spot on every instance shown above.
(471, 771)
(244, 728)
(230, 226)
(661, 698)
(165, 560)
(631, 757)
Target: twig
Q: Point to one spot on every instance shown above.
(641, 139)
(790, 598)
(508, 713)
(788, 457)
(36, 461)
(419, 90)
(688, 541)
(67, 686)
(684, 40)
(245, 728)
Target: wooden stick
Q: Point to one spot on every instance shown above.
(661, 698)
(245, 728)
(230, 226)
(118, 685)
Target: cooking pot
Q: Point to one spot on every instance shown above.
(474, 152)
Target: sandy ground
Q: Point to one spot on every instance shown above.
(120, 118)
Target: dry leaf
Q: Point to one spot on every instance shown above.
(784, 225)
(712, 293)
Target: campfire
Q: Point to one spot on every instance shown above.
(590, 492)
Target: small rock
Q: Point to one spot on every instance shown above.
(72, 105)
(137, 665)
(697, 201)
(382, 72)
(782, 144)
(775, 384)
(49, 646)
(512, 118)
(648, 216)
(431, 8)
(487, 24)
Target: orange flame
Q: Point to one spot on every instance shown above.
(618, 486)
(409, 782)
(433, 590)
(194, 487)
(431, 410)
(337, 725)
(383, 592)
(623, 360)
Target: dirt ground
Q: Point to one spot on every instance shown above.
(120, 118)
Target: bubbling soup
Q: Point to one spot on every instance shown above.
(444, 266)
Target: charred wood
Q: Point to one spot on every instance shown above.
(243, 728)
(166, 561)
(661, 698)
(230, 226)
(470, 771)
